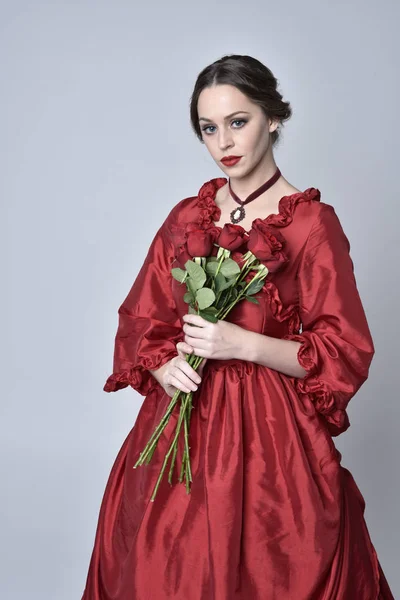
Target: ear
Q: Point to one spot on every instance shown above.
(273, 124)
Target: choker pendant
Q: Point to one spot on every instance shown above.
(238, 214)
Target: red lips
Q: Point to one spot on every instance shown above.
(230, 160)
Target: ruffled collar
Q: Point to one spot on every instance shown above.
(210, 213)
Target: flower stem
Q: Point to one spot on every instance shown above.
(158, 430)
(221, 260)
(178, 428)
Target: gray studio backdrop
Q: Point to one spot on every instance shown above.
(95, 149)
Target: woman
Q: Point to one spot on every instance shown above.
(272, 513)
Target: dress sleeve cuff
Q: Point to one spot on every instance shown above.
(317, 390)
(139, 376)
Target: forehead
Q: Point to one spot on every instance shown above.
(219, 100)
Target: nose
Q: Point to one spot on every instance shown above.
(224, 139)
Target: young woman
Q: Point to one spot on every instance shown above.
(271, 513)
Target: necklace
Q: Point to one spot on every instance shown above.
(238, 214)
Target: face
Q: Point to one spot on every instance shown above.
(247, 133)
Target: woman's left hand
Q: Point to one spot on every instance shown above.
(221, 340)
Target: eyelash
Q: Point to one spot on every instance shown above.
(234, 121)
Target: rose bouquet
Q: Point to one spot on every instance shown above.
(220, 267)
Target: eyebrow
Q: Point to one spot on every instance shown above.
(227, 117)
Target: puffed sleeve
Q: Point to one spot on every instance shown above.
(336, 344)
(148, 326)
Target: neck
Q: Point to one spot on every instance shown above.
(244, 186)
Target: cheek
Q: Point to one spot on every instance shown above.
(257, 145)
(259, 138)
(249, 140)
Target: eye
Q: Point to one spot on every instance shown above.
(239, 121)
(244, 121)
(205, 128)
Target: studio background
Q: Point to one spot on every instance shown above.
(96, 148)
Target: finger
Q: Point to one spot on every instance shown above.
(172, 380)
(186, 367)
(195, 320)
(194, 333)
(183, 379)
(188, 371)
(184, 348)
(199, 345)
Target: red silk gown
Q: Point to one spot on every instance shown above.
(272, 513)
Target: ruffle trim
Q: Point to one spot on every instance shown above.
(210, 212)
(279, 312)
(139, 376)
(316, 390)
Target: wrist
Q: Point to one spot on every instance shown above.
(245, 349)
(158, 374)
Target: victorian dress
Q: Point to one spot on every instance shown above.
(272, 513)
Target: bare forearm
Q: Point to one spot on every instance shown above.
(158, 373)
(277, 354)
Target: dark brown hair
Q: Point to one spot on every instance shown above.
(252, 78)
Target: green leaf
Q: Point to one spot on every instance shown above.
(189, 298)
(190, 287)
(254, 287)
(228, 283)
(178, 274)
(205, 297)
(208, 315)
(252, 299)
(220, 283)
(232, 294)
(211, 268)
(197, 274)
(229, 267)
(232, 280)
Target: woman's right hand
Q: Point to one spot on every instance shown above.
(178, 374)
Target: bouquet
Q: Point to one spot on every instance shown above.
(220, 267)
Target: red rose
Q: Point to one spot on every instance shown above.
(266, 243)
(214, 251)
(200, 242)
(232, 236)
(191, 240)
(237, 257)
(182, 256)
(216, 232)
